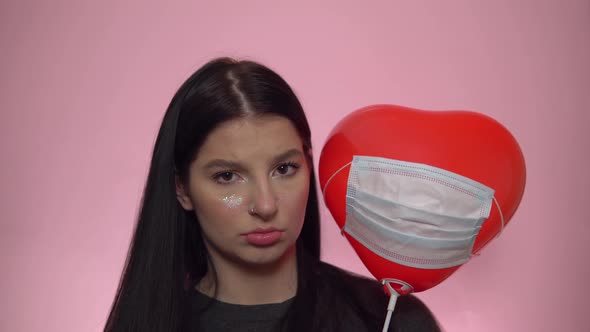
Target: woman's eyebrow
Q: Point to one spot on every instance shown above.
(230, 164)
(222, 163)
(292, 153)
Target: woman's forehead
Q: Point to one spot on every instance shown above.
(250, 138)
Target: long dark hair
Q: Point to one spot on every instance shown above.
(167, 251)
(167, 256)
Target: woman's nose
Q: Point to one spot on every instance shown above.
(264, 201)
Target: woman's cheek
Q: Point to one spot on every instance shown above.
(231, 202)
(294, 199)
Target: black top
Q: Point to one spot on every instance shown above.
(341, 302)
(221, 316)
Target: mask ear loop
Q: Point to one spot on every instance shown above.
(328, 182)
(331, 177)
(501, 216)
(393, 295)
(502, 225)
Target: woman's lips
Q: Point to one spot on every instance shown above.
(263, 237)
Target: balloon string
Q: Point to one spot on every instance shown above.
(331, 177)
(393, 295)
(390, 307)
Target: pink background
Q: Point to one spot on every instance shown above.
(85, 85)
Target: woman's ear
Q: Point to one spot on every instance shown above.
(182, 195)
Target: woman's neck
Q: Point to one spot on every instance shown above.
(252, 284)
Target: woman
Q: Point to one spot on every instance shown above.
(228, 235)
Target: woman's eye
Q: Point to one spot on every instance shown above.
(287, 169)
(225, 177)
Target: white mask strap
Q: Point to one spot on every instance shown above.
(501, 226)
(331, 177)
(326, 187)
(501, 216)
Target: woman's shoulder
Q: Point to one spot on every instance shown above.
(350, 287)
(367, 299)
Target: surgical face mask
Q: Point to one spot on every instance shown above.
(414, 214)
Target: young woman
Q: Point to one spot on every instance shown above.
(228, 235)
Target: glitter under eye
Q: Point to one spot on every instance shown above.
(232, 201)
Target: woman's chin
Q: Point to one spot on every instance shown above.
(260, 257)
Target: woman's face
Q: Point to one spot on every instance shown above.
(249, 187)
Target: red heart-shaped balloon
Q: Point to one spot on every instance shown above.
(467, 143)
